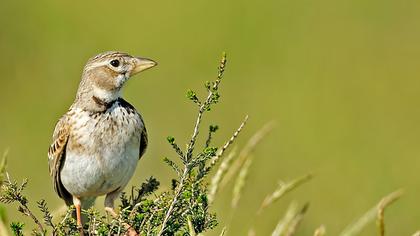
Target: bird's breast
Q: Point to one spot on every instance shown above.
(109, 131)
(102, 151)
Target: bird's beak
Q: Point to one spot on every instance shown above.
(141, 64)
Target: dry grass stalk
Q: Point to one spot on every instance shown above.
(223, 231)
(229, 142)
(320, 231)
(251, 232)
(3, 229)
(288, 224)
(356, 227)
(282, 189)
(417, 233)
(294, 224)
(359, 224)
(221, 171)
(248, 148)
(285, 221)
(240, 182)
(191, 227)
(3, 165)
(3, 226)
(386, 201)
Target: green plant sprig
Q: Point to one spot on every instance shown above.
(194, 167)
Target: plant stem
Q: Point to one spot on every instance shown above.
(30, 214)
(175, 199)
(190, 148)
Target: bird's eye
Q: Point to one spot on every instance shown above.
(115, 63)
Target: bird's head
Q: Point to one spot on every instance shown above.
(105, 74)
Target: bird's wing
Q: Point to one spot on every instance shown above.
(143, 137)
(56, 157)
(143, 140)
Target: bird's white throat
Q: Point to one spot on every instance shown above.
(106, 95)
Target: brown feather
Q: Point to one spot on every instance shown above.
(56, 157)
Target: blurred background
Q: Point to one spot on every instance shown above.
(339, 78)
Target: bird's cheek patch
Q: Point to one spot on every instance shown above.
(105, 79)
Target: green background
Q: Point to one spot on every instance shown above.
(340, 78)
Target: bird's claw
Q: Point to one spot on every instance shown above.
(130, 230)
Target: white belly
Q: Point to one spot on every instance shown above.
(102, 154)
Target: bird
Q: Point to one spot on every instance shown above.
(97, 143)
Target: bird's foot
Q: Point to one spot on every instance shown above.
(81, 232)
(112, 212)
(130, 230)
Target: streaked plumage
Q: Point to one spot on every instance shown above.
(98, 142)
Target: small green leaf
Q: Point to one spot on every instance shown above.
(207, 84)
(213, 128)
(170, 139)
(210, 151)
(17, 228)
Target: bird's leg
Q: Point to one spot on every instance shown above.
(109, 203)
(109, 207)
(78, 205)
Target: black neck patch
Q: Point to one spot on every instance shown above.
(102, 103)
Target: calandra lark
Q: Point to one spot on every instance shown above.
(97, 143)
